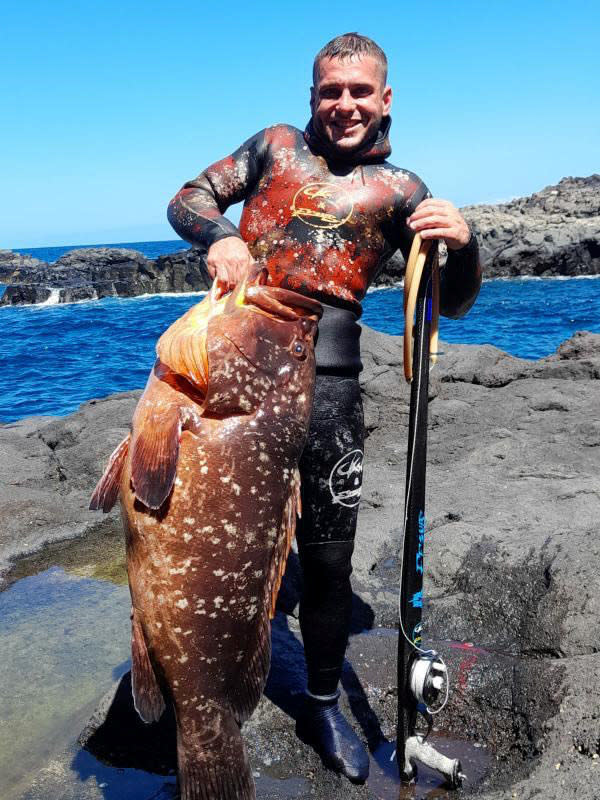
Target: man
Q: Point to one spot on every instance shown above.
(322, 210)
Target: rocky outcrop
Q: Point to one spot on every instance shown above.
(553, 232)
(93, 273)
(511, 558)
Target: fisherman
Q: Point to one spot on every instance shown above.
(323, 209)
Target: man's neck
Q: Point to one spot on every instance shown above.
(377, 148)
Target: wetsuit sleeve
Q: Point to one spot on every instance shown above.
(460, 280)
(196, 212)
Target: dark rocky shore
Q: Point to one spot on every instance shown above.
(512, 573)
(553, 232)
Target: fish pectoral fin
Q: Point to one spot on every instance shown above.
(154, 454)
(148, 699)
(107, 490)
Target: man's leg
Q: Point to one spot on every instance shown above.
(331, 472)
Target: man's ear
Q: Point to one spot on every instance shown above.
(312, 99)
(387, 100)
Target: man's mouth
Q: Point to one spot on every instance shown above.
(345, 127)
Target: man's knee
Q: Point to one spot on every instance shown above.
(326, 563)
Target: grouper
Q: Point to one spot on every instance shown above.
(209, 488)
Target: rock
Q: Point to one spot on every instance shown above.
(94, 273)
(511, 555)
(24, 294)
(552, 232)
(11, 262)
(48, 469)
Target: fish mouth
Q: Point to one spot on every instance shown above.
(283, 303)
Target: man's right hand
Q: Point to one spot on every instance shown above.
(229, 261)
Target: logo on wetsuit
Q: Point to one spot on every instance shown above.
(345, 479)
(322, 205)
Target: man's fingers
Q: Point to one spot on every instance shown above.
(437, 220)
(432, 203)
(437, 212)
(230, 271)
(435, 233)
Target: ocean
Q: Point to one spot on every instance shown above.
(53, 358)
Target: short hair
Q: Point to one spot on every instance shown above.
(348, 46)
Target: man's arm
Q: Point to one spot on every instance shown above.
(196, 212)
(460, 280)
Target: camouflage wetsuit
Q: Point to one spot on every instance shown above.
(322, 226)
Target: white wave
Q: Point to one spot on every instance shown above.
(149, 296)
(524, 278)
(53, 300)
(395, 285)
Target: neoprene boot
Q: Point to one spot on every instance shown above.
(322, 725)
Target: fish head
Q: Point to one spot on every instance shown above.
(261, 342)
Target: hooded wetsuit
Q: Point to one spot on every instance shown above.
(322, 225)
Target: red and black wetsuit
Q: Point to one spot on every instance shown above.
(322, 226)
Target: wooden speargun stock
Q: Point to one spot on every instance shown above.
(415, 265)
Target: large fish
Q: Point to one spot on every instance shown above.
(209, 490)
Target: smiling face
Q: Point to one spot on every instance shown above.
(349, 100)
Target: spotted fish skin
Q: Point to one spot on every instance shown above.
(205, 564)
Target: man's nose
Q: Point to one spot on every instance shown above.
(346, 101)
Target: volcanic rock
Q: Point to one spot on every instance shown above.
(553, 232)
(93, 273)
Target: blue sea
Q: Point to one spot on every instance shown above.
(55, 357)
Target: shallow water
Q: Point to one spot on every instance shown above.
(64, 640)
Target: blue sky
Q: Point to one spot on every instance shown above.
(110, 106)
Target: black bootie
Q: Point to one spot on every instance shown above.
(322, 725)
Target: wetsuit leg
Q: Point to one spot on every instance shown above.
(331, 474)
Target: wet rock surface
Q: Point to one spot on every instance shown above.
(553, 232)
(511, 567)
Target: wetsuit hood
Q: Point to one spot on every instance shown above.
(375, 149)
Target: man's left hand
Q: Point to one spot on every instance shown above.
(440, 219)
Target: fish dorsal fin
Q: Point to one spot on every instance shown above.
(154, 451)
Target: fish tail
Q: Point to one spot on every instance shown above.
(218, 770)
(147, 696)
(106, 492)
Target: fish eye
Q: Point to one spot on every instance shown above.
(298, 349)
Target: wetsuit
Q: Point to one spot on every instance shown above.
(323, 227)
